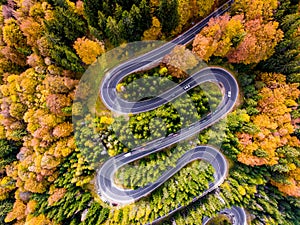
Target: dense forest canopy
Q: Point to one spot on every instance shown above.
(47, 45)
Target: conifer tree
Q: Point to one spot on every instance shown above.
(168, 15)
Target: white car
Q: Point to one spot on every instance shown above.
(127, 154)
(229, 94)
(186, 87)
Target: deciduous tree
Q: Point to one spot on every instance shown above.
(88, 50)
(256, 9)
(258, 44)
(154, 32)
(179, 61)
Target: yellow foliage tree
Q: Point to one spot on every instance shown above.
(88, 50)
(204, 7)
(256, 9)
(6, 186)
(39, 220)
(12, 35)
(106, 120)
(34, 186)
(185, 11)
(63, 130)
(154, 32)
(80, 7)
(275, 128)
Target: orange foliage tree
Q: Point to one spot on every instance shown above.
(32, 30)
(219, 36)
(274, 142)
(258, 43)
(57, 194)
(18, 212)
(292, 188)
(248, 37)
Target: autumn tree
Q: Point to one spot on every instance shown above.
(190, 9)
(185, 12)
(39, 220)
(32, 30)
(291, 188)
(154, 32)
(13, 56)
(88, 50)
(219, 37)
(58, 84)
(273, 143)
(258, 44)
(239, 40)
(256, 9)
(63, 130)
(180, 61)
(18, 212)
(12, 35)
(203, 7)
(56, 195)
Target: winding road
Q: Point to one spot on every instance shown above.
(107, 189)
(236, 214)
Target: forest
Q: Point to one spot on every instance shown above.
(47, 168)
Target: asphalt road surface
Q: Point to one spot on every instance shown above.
(105, 176)
(236, 215)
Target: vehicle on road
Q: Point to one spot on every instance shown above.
(127, 154)
(112, 100)
(186, 87)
